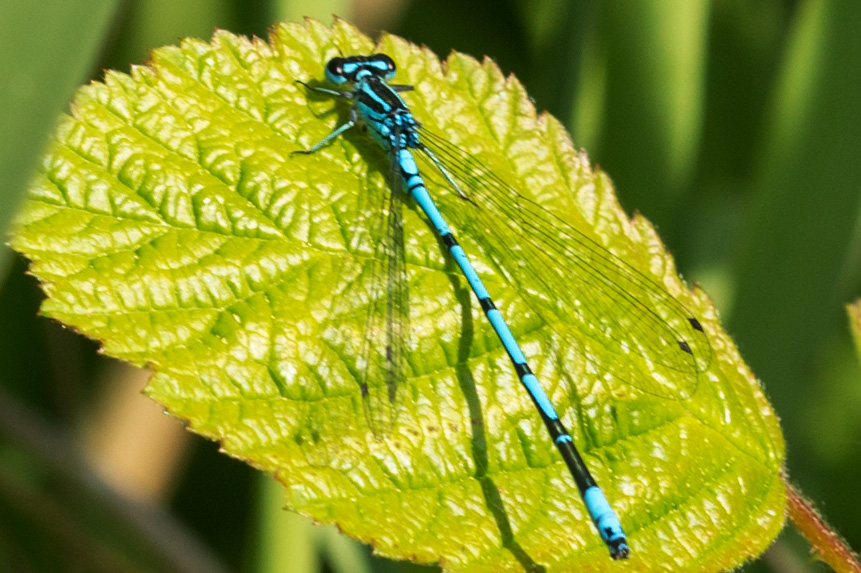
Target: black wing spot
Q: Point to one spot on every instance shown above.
(696, 324)
(684, 346)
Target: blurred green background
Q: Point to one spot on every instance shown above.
(734, 126)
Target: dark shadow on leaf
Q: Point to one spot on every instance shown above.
(492, 497)
(316, 100)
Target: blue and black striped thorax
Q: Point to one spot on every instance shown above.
(376, 104)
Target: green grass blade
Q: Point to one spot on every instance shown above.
(803, 217)
(46, 50)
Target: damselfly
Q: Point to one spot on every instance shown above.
(656, 343)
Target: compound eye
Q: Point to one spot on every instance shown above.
(335, 71)
(387, 61)
(384, 65)
(335, 67)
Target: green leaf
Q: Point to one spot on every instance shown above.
(171, 222)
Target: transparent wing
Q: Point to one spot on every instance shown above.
(368, 326)
(577, 286)
(388, 320)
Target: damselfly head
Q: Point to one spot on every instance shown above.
(352, 69)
